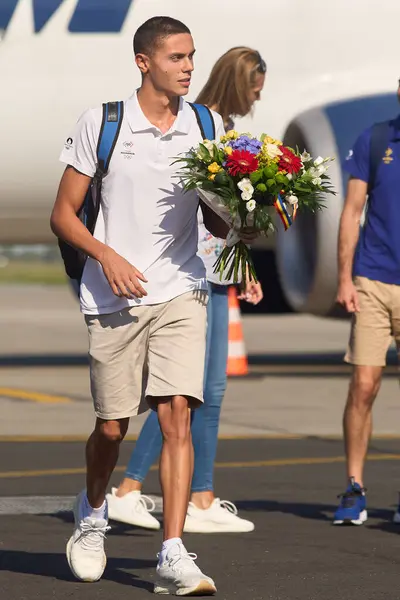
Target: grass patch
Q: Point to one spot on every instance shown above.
(30, 271)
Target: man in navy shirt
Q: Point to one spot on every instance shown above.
(369, 288)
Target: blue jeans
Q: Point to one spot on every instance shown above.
(205, 420)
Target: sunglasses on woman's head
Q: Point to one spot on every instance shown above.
(262, 65)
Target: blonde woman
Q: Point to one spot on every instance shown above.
(235, 83)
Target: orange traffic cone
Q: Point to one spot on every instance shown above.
(237, 359)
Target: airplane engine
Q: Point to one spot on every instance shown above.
(306, 252)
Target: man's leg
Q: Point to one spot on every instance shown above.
(126, 503)
(370, 338)
(102, 452)
(176, 372)
(357, 418)
(176, 463)
(85, 548)
(117, 351)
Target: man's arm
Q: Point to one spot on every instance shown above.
(349, 231)
(121, 275)
(213, 223)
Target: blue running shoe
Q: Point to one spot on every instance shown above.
(352, 509)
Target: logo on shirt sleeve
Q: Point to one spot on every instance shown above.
(68, 144)
(350, 154)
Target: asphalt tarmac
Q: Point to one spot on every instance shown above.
(288, 487)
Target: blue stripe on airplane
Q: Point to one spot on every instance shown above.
(90, 16)
(7, 8)
(99, 16)
(43, 11)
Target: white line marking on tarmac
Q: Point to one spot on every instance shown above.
(47, 505)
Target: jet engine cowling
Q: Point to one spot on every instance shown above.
(306, 253)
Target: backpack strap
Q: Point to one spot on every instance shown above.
(113, 113)
(74, 259)
(205, 120)
(378, 143)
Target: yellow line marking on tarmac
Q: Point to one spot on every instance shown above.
(134, 437)
(33, 396)
(245, 437)
(277, 462)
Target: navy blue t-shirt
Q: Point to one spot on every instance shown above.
(378, 252)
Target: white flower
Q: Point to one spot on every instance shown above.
(246, 188)
(317, 181)
(318, 161)
(317, 171)
(272, 150)
(246, 195)
(250, 205)
(289, 176)
(305, 157)
(292, 199)
(245, 184)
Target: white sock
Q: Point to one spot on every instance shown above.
(167, 545)
(93, 513)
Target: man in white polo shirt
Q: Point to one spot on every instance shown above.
(143, 294)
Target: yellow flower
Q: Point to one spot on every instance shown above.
(269, 140)
(230, 135)
(214, 167)
(211, 177)
(228, 150)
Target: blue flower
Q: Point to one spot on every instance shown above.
(245, 143)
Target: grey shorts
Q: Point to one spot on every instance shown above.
(143, 353)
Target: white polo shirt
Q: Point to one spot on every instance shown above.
(144, 216)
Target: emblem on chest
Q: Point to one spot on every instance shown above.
(388, 158)
(127, 150)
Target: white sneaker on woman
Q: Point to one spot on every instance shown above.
(179, 575)
(85, 549)
(134, 508)
(221, 517)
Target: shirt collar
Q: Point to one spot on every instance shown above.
(138, 121)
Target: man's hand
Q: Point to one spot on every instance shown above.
(252, 292)
(347, 296)
(248, 234)
(121, 275)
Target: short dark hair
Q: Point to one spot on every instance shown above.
(153, 31)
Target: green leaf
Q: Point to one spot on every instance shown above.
(221, 178)
(204, 153)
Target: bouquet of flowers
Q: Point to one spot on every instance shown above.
(248, 181)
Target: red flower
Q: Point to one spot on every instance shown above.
(289, 162)
(241, 162)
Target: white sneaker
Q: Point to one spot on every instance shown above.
(133, 508)
(85, 549)
(180, 576)
(220, 517)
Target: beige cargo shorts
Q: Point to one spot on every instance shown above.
(143, 353)
(377, 323)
